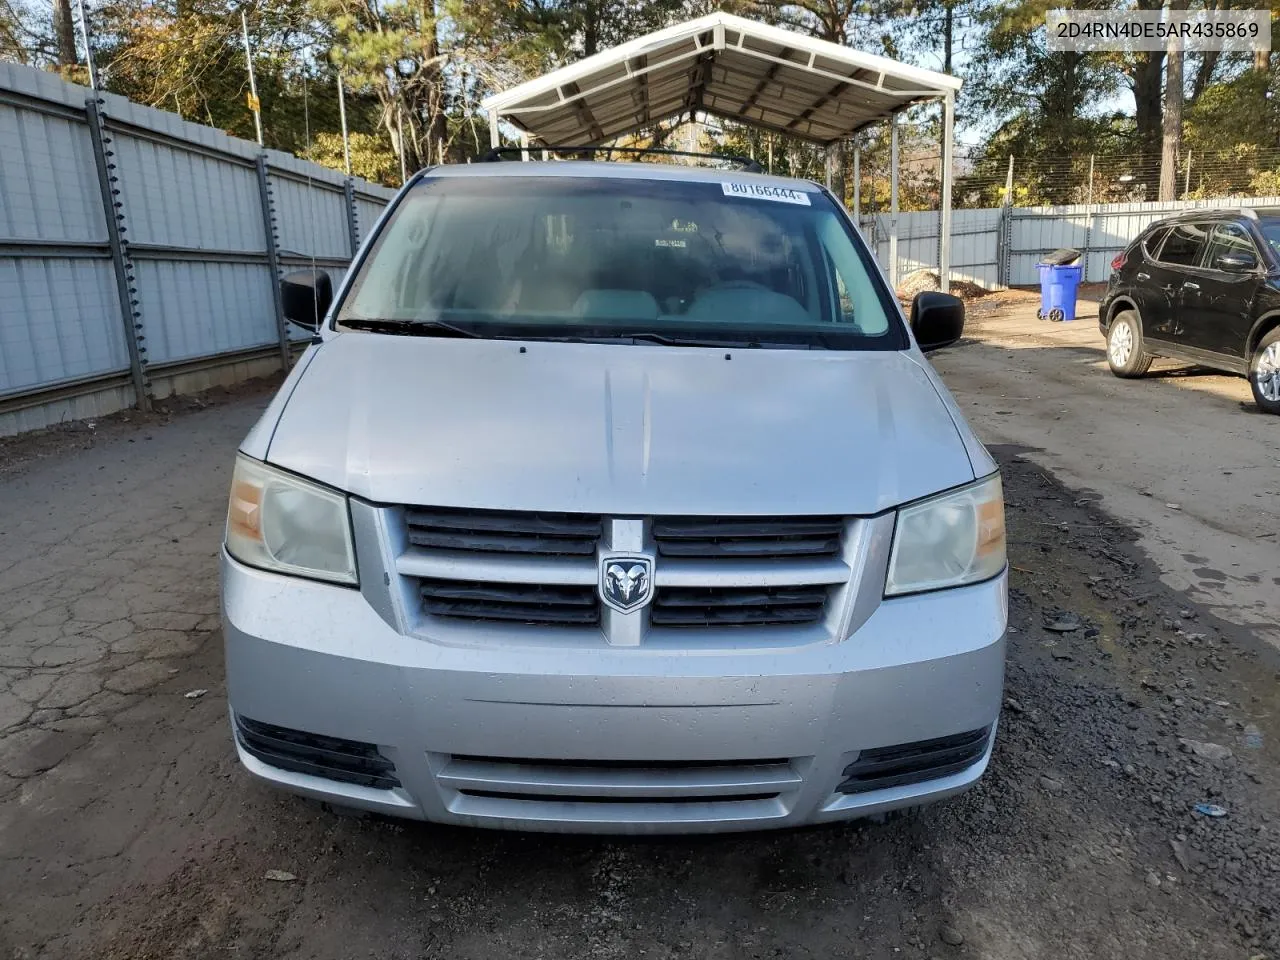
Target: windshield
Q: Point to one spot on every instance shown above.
(581, 258)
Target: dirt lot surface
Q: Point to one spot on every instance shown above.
(127, 830)
(1183, 455)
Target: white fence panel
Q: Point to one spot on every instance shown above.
(59, 316)
(367, 214)
(194, 256)
(59, 321)
(980, 253)
(175, 197)
(48, 183)
(313, 219)
(199, 309)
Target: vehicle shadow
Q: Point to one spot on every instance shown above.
(988, 359)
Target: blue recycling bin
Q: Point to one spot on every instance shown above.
(1058, 284)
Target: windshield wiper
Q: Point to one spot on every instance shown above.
(440, 328)
(410, 328)
(668, 340)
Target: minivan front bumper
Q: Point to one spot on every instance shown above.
(607, 739)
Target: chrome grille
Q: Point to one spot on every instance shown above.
(757, 538)
(541, 569)
(550, 605)
(502, 531)
(737, 606)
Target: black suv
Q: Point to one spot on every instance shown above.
(1203, 286)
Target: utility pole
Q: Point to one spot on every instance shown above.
(254, 104)
(944, 151)
(948, 34)
(88, 50)
(1005, 237)
(1088, 225)
(1172, 110)
(404, 170)
(342, 113)
(857, 182)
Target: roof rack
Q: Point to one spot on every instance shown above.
(746, 164)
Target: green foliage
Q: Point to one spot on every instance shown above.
(1242, 110)
(372, 157)
(1265, 183)
(415, 72)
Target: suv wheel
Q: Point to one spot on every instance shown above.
(1264, 373)
(1125, 355)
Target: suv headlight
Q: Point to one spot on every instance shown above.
(948, 540)
(279, 522)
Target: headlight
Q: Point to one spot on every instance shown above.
(280, 522)
(948, 540)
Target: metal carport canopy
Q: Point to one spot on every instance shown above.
(740, 70)
(720, 65)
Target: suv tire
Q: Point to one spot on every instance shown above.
(1264, 365)
(1125, 355)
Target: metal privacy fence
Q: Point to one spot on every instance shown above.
(139, 253)
(1000, 247)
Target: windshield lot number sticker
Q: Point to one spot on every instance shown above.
(763, 191)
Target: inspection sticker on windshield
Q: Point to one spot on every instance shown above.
(763, 191)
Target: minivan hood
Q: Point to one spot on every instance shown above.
(618, 429)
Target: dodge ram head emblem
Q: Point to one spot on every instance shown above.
(626, 582)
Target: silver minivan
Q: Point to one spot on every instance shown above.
(615, 497)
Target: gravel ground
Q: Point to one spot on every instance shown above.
(127, 831)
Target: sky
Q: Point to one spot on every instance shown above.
(966, 41)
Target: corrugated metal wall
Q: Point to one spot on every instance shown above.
(191, 208)
(999, 247)
(59, 314)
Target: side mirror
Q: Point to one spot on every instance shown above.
(1237, 262)
(306, 295)
(937, 319)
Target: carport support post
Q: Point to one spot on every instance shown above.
(494, 140)
(893, 201)
(944, 241)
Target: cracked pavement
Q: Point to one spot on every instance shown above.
(105, 586)
(108, 614)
